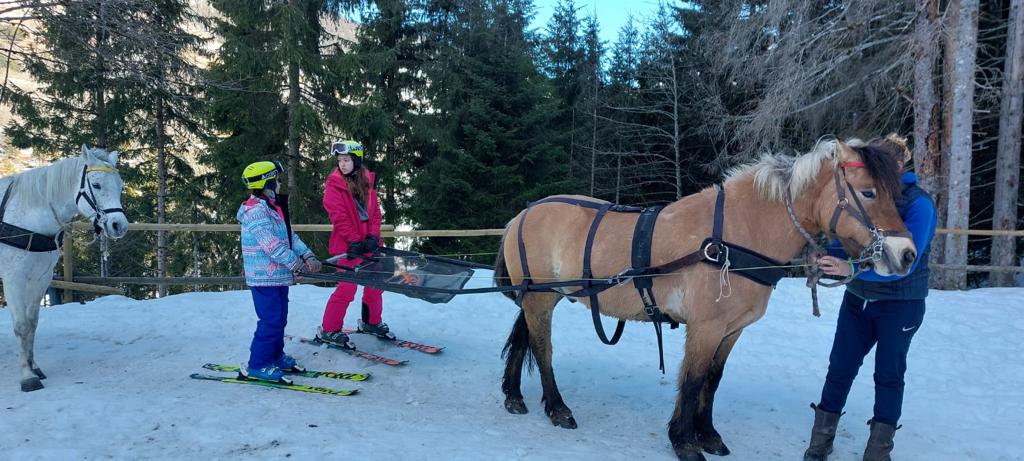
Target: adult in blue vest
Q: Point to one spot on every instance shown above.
(877, 310)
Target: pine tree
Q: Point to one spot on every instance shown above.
(493, 110)
(270, 50)
(379, 77)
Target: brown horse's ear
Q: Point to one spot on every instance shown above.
(846, 153)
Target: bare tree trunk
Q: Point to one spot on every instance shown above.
(927, 157)
(1004, 217)
(928, 152)
(593, 154)
(161, 204)
(196, 259)
(950, 25)
(960, 154)
(294, 90)
(676, 141)
(101, 112)
(572, 143)
(618, 177)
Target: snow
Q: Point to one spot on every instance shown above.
(118, 384)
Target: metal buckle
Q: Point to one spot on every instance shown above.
(708, 256)
(621, 278)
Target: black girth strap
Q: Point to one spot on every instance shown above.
(24, 239)
(588, 274)
(643, 235)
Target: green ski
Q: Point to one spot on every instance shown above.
(289, 387)
(304, 374)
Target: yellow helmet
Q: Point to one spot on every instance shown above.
(256, 175)
(352, 148)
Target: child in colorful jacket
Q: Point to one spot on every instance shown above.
(270, 259)
(351, 202)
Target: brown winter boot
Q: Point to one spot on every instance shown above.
(880, 441)
(822, 434)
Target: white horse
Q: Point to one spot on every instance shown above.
(35, 208)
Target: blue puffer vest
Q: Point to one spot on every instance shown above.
(914, 285)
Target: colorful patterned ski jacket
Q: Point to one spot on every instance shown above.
(266, 255)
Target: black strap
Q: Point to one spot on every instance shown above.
(716, 232)
(282, 201)
(3, 203)
(643, 235)
(25, 239)
(588, 274)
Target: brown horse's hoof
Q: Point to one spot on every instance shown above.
(39, 373)
(516, 406)
(712, 443)
(563, 419)
(31, 384)
(689, 452)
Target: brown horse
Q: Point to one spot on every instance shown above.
(755, 217)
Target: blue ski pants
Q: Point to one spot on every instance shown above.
(272, 310)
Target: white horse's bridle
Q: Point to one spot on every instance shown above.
(86, 191)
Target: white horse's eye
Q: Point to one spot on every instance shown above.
(96, 186)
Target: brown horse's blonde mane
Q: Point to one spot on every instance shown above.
(775, 173)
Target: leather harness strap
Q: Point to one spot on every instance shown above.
(25, 239)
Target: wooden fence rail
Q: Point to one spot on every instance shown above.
(97, 284)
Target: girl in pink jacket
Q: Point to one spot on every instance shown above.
(350, 199)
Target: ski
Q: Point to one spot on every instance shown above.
(304, 374)
(352, 352)
(289, 387)
(401, 342)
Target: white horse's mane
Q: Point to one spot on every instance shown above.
(44, 185)
(775, 173)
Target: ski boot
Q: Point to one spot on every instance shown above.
(287, 364)
(269, 373)
(336, 338)
(380, 330)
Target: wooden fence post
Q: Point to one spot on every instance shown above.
(69, 261)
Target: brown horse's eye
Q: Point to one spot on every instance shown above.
(868, 194)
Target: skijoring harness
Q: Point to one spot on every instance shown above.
(35, 242)
(713, 251)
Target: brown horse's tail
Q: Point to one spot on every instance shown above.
(517, 351)
(501, 278)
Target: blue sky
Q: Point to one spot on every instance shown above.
(611, 14)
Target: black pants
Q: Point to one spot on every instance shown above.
(891, 325)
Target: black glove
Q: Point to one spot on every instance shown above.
(371, 244)
(355, 250)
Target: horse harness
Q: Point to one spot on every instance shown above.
(35, 242)
(714, 251)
